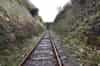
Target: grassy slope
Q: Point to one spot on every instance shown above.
(78, 35)
(18, 30)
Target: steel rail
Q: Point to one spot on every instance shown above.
(59, 61)
(54, 49)
(28, 56)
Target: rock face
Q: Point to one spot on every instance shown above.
(16, 25)
(78, 23)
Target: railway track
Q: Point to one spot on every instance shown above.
(44, 54)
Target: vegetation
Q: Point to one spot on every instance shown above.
(18, 31)
(78, 25)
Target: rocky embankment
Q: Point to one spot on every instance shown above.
(78, 23)
(19, 22)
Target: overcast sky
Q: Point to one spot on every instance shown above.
(49, 8)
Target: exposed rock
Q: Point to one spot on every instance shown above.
(16, 25)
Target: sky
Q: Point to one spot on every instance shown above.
(48, 9)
